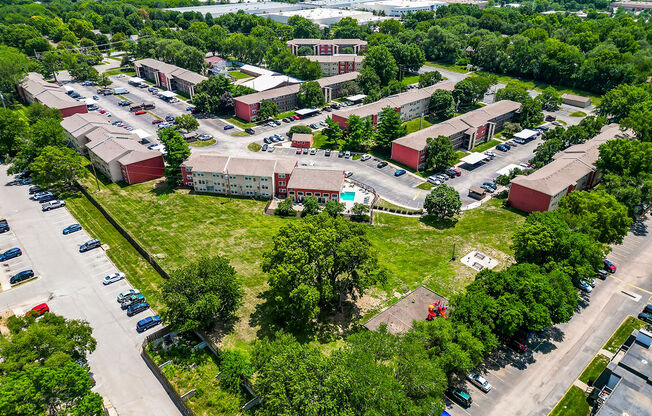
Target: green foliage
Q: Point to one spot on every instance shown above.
(285, 208)
(359, 209)
(36, 112)
(559, 138)
(267, 110)
(550, 99)
(619, 102)
(359, 132)
(443, 202)
(13, 68)
(442, 104)
(440, 152)
(234, 367)
(512, 91)
(389, 128)
(310, 206)
(429, 78)
(383, 64)
(310, 95)
(531, 114)
(177, 151)
(315, 264)
(12, 128)
(301, 129)
(471, 90)
(214, 95)
(201, 294)
(57, 166)
(333, 208)
(333, 133)
(186, 122)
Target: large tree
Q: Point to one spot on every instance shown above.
(316, 264)
(531, 114)
(176, 152)
(512, 91)
(333, 133)
(381, 61)
(597, 214)
(186, 122)
(57, 166)
(310, 95)
(13, 68)
(429, 78)
(441, 154)
(201, 294)
(443, 202)
(12, 128)
(390, 127)
(550, 99)
(442, 104)
(267, 110)
(359, 131)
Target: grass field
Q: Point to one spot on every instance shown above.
(426, 185)
(485, 146)
(254, 147)
(572, 404)
(178, 226)
(623, 331)
(413, 125)
(578, 114)
(411, 79)
(455, 68)
(120, 71)
(239, 75)
(240, 134)
(281, 116)
(239, 122)
(200, 143)
(593, 370)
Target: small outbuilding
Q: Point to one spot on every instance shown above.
(477, 192)
(302, 140)
(576, 100)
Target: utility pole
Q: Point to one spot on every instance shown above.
(453, 258)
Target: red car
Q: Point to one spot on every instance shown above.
(609, 266)
(516, 345)
(102, 111)
(296, 117)
(139, 112)
(156, 121)
(457, 171)
(39, 309)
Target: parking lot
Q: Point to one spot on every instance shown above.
(71, 284)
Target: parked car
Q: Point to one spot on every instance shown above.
(365, 157)
(204, 137)
(646, 317)
(516, 345)
(348, 174)
(584, 287)
(298, 151)
(169, 117)
(433, 180)
(37, 195)
(271, 149)
(491, 185)
(89, 245)
(264, 148)
(250, 130)
(57, 203)
(278, 123)
(21, 276)
(490, 154)
(72, 229)
(124, 296)
(274, 139)
(112, 278)
(502, 148)
(157, 121)
(340, 153)
(132, 300)
(39, 309)
(327, 152)
(137, 308)
(479, 381)
(487, 188)
(46, 198)
(228, 127)
(461, 397)
(151, 89)
(124, 103)
(602, 274)
(147, 323)
(507, 145)
(305, 150)
(323, 123)
(34, 189)
(451, 173)
(267, 140)
(609, 266)
(10, 254)
(347, 154)
(296, 117)
(399, 172)
(314, 126)
(139, 112)
(648, 308)
(381, 164)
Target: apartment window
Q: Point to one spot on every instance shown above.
(265, 187)
(281, 183)
(217, 175)
(281, 175)
(265, 194)
(308, 193)
(216, 183)
(233, 185)
(234, 192)
(232, 177)
(317, 194)
(281, 190)
(189, 176)
(199, 174)
(247, 178)
(334, 197)
(300, 193)
(264, 179)
(248, 186)
(188, 168)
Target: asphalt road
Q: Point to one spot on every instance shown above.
(531, 384)
(71, 283)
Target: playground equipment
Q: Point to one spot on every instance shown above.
(436, 309)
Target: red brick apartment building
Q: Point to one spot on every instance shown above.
(34, 89)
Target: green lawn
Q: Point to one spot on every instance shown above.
(416, 125)
(178, 226)
(118, 71)
(254, 147)
(281, 116)
(388, 205)
(239, 75)
(239, 122)
(593, 370)
(196, 370)
(240, 134)
(578, 114)
(426, 185)
(412, 79)
(200, 143)
(622, 333)
(572, 404)
(484, 146)
(451, 67)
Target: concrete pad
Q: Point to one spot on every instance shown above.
(478, 260)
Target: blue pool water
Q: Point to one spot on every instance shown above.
(347, 196)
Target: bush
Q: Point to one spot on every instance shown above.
(285, 208)
(299, 129)
(361, 218)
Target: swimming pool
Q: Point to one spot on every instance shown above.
(347, 196)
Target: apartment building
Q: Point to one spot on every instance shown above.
(302, 140)
(167, 76)
(324, 184)
(571, 170)
(410, 104)
(124, 159)
(337, 64)
(35, 89)
(464, 131)
(328, 46)
(285, 98)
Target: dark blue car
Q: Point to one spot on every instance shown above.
(89, 245)
(147, 323)
(502, 148)
(71, 229)
(10, 254)
(399, 172)
(228, 127)
(137, 308)
(22, 276)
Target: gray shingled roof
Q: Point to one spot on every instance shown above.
(313, 178)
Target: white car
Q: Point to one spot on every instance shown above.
(112, 278)
(347, 154)
(479, 381)
(57, 203)
(348, 174)
(365, 157)
(127, 294)
(434, 180)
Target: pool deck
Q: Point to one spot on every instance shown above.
(361, 196)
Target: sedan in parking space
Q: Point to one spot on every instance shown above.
(137, 308)
(347, 154)
(228, 127)
(296, 117)
(646, 317)
(314, 126)
(34, 189)
(502, 148)
(399, 172)
(57, 203)
(516, 345)
(487, 188)
(461, 397)
(451, 173)
(323, 123)
(609, 266)
(112, 278)
(305, 150)
(249, 130)
(147, 323)
(139, 112)
(327, 152)
(313, 151)
(278, 123)
(648, 308)
(271, 149)
(479, 381)
(348, 174)
(21, 276)
(38, 310)
(132, 300)
(298, 151)
(365, 157)
(381, 164)
(122, 297)
(190, 108)
(204, 137)
(156, 121)
(264, 148)
(169, 117)
(89, 245)
(71, 229)
(490, 154)
(39, 195)
(340, 153)
(102, 111)
(434, 180)
(124, 103)
(584, 287)
(10, 254)
(602, 274)
(490, 185)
